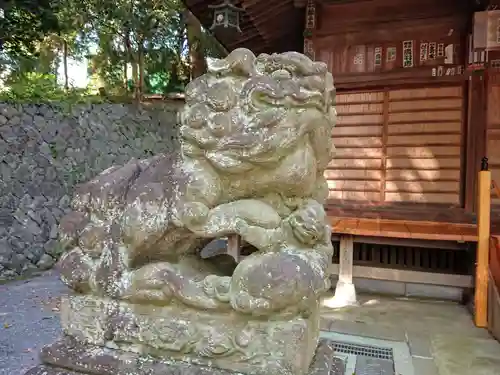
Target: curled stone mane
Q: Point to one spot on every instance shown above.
(251, 111)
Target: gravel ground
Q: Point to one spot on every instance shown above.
(29, 319)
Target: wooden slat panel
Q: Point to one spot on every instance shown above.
(345, 109)
(355, 163)
(448, 127)
(406, 117)
(423, 186)
(363, 153)
(494, 131)
(354, 195)
(359, 131)
(397, 140)
(426, 93)
(424, 152)
(423, 198)
(423, 164)
(413, 105)
(353, 174)
(361, 97)
(359, 120)
(430, 175)
(493, 105)
(357, 142)
(354, 185)
(493, 148)
(423, 145)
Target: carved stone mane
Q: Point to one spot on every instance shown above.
(255, 141)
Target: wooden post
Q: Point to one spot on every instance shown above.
(483, 242)
(474, 147)
(345, 292)
(346, 259)
(234, 246)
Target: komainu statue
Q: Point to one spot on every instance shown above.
(255, 140)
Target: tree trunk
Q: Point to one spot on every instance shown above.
(196, 53)
(65, 64)
(125, 75)
(128, 58)
(140, 86)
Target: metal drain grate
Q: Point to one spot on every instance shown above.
(364, 350)
(363, 355)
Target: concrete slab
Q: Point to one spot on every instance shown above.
(367, 330)
(440, 334)
(424, 366)
(457, 355)
(420, 345)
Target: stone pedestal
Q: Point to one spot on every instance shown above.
(68, 356)
(223, 339)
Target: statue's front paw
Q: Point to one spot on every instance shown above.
(245, 303)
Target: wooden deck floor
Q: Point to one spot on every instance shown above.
(403, 221)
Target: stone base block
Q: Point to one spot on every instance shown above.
(279, 345)
(70, 357)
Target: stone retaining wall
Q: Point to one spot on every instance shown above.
(46, 150)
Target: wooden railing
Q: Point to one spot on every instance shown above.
(494, 288)
(483, 246)
(487, 286)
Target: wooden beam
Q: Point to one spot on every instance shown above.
(247, 38)
(401, 77)
(476, 136)
(483, 249)
(299, 3)
(405, 276)
(408, 242)
(260, 13)
(385, 135)
(265, 9)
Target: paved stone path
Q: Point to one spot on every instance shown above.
(29, 319)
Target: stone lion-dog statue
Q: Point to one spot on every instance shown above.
(255, 139)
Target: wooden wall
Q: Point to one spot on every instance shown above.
(398, 145)
(385, 41)
(399, 73)
(493, 132)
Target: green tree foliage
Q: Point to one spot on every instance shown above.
(25, 22)
(133, 47)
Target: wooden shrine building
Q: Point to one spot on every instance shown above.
(418, 103)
